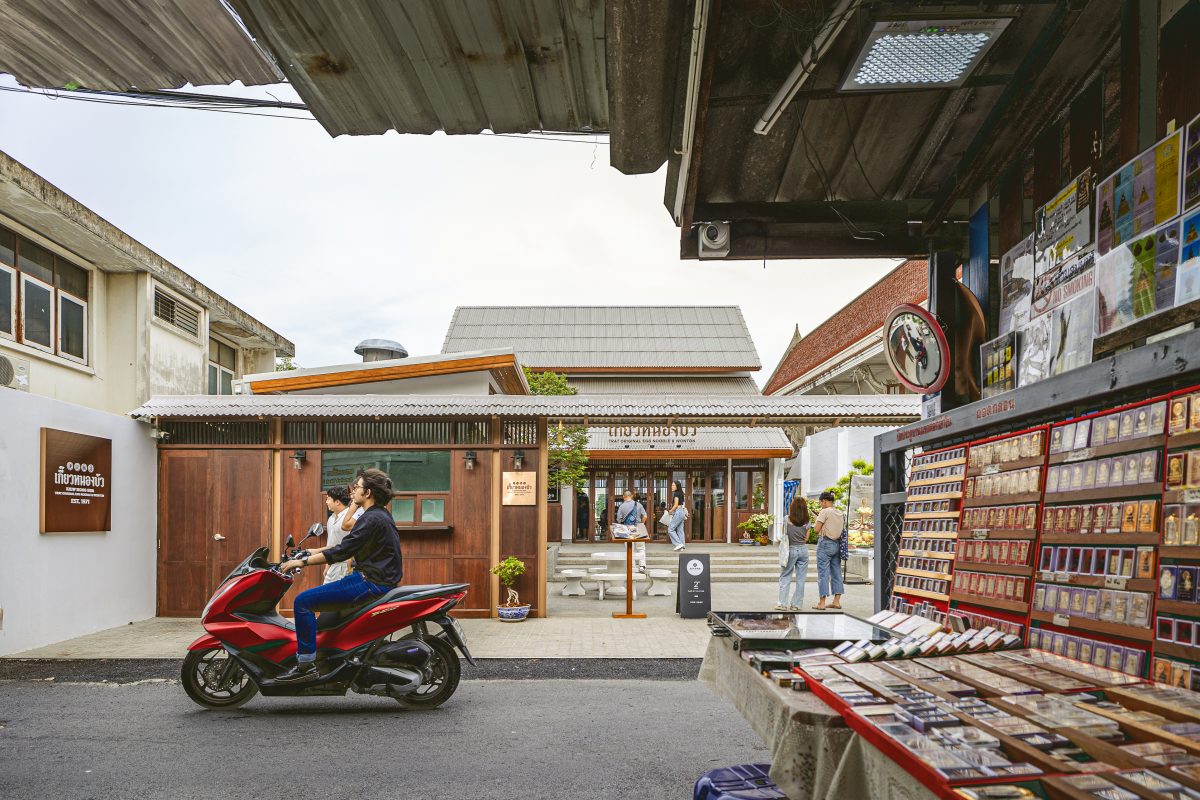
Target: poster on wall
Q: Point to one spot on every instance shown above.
(1137, 279)
(1034, 362)
(1071, 335)
(1073, 279)
(76, 477)
(1016, 285)
(1139, 196)
(1187, 283)
(1191, 165)
(1063, 227)
(999, 364)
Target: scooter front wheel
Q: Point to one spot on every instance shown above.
(214, 680)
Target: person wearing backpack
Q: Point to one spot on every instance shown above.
(632, 514)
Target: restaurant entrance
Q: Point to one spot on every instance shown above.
(704, 487)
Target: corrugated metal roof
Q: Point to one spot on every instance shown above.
(706, 439)
(680, 409)
(419, 66)
(124, 44)
(612, 337)
(657, 385)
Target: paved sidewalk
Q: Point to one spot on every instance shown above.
(577, 627)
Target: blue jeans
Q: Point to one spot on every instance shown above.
(829, 566)
(675, 529)
(797, 567)
(348, 591)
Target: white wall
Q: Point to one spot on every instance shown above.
(826, 455)
(57, 586)
(468, 383)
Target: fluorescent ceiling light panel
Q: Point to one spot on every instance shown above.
(922, 54)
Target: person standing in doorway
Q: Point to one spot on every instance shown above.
(678, 514)
(828, 526)
(794, 543)
(582, 509)
(341, 510)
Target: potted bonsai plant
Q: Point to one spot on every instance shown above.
(512, 609)
(758, 527)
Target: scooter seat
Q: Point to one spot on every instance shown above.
(337, 617)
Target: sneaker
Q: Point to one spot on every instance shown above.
(302, 671)
(677, 547)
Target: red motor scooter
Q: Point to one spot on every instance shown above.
(248, 643)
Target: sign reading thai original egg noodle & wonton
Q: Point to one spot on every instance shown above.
(76, 475)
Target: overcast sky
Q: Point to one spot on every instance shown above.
(331, 241)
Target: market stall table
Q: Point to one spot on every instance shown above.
(813, 753)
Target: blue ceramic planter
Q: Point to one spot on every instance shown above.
(513, 613)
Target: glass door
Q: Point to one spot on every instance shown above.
(658, 502)
(600, 507)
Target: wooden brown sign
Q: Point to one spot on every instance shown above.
(76, 479)
(520, 488)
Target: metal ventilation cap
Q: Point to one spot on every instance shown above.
(380, 350)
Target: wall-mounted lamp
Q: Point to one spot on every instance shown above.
(298, 458)
(518, 459)
(470, 459)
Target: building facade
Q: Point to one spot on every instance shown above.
(726, 474)
(92, 323)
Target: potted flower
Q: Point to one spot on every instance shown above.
(512, 609)
(757, 528)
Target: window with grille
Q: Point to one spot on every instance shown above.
(176, 313)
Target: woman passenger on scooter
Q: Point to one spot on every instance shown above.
(375, 547)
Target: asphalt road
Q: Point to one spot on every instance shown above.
(510, 739)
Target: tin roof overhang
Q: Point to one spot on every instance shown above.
(689, 410)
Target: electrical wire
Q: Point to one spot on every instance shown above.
(241, 106)
(854, 150)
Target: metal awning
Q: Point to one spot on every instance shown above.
(670, 410)
(128, 44)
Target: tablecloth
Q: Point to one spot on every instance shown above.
(813, 753)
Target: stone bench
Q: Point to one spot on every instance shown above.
(604, 578)
(659, 583)
(574, 586)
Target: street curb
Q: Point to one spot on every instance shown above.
(132, 670)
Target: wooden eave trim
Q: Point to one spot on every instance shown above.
(397, 372)
(583, 372)
(616, 455)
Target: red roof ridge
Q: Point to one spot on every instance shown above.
(907, 283)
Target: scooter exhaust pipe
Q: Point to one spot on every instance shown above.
(389, 681)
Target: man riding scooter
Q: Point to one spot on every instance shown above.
(375, 547)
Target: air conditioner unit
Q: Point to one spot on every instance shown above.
(713, 239)
(14, 373)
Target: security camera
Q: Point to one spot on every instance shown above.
(713, 239)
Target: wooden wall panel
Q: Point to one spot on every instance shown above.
(422, 544)
(183, 532)
(1178, 66)
(303, 504)
(518, 531)
(471, 504)
(426, 570)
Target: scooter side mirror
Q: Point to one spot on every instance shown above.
(316, 530)
(291, 542)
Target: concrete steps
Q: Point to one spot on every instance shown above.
(733, 564)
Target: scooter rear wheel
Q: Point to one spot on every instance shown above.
(444, 671)
(214, 680)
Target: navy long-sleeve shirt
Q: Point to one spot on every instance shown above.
(375, 547)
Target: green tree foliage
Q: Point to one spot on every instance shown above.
(567, 444)
(841, 492)
(285, 364)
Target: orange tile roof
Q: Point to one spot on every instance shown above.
(907, 283)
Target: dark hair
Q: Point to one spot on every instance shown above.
(798, 512)
(339, 493)
(377, 482)
(827, 496)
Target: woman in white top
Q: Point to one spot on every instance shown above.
(337, 500)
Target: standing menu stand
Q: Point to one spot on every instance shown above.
(629, 580)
